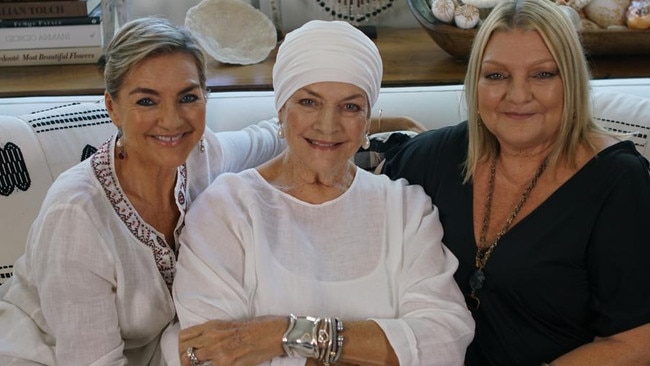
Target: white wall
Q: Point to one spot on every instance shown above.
(294, 12)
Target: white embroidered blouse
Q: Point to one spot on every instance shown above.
(93, 285)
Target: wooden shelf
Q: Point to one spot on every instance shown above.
(410, 57)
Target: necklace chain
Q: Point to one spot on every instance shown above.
(484, 251)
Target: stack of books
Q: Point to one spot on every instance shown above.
(50, 32)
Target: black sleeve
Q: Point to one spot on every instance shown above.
(619, 250)
(426, 158)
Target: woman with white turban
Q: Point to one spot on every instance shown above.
(308, 259)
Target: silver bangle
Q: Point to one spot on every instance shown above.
(337, 343)
(300, 339)
(317, 338)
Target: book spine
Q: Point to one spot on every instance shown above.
(24, 1)
(51, 37)
(49, 22)
(44, 9)
(51, 56)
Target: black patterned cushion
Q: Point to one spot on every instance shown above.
(6, 271)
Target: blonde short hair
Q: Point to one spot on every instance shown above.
(147, 37)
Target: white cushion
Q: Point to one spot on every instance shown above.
(69, 134)
(624, 113)
(24, 180)
(34, 149)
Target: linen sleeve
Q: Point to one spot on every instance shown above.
(72, 268)
(618, 252)
(433, 325)
(209, 282)
(250, 146)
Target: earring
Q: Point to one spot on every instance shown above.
(366, 142)
(202, 144)
(121, 154)
(280, 130)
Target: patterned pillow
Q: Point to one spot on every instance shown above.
(625, 113)
(34, 149)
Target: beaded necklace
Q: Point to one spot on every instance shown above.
(355, 11)
(484, 251)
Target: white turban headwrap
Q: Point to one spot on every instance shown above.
(326, 51)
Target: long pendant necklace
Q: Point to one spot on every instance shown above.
(484, 251)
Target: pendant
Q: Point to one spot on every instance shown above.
(476, 281)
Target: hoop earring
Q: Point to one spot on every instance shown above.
(119, 145)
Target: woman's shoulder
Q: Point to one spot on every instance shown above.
(443, 135)
(434, 142)
(229, 187)
(78, 181)
(445, 147)
(234, 181)
(399, 186)
(622, 153)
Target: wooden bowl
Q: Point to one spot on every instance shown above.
(596, 42)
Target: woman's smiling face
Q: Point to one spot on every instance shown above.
(520, 91)
(160, 109)
(324, 124)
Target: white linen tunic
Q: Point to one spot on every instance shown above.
(93, 287)
(375, 252)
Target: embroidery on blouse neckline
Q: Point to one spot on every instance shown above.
(164, 256)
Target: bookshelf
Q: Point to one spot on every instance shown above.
(54, 32)
(410, 57)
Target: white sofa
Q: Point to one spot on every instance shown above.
(42, 136)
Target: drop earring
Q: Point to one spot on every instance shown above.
(366, 142)
(119, 145)
(280, 130)
(202, 144)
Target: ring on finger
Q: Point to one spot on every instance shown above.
(194, 361)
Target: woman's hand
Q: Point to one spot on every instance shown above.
(236, 343)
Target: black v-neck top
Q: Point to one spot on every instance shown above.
(574, 268)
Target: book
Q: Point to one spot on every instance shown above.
(47, 9)
(51, 37)
(51, 56)
(93, 18)
(23, 1)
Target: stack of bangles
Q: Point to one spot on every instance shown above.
(317, 338)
